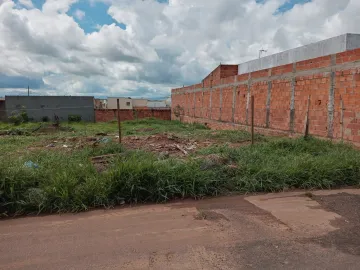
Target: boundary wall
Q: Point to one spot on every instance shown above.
(106, 115)
(222, 100)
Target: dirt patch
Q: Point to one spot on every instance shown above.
(145, 129)
(51, 129)
(347, 237)
(71, 143)
(166, 144)
(210, 215)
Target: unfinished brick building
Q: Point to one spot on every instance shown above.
(328, 72)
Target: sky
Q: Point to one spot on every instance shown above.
(144, 48)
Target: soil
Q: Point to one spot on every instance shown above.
(166, 144)
(220, 233)
(145, 129)
(347, 237)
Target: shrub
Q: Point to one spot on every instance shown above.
(18, 117)
(24, 116)
(45, 119)
(74, 118)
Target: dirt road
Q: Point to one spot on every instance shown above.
(275, 231)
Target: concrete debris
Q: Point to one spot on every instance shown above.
(30, 164)
(104, 140)
(232, 166)
(182, 150)
(169, 143)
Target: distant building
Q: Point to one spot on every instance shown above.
(136, 103)
(139, 103)
(156, 104)
(125, 103)
(100, 103)
(40, 107)
(2, 109)
(168, 102)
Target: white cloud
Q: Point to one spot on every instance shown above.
(79, 14)
(51, 6)
(164, 45)
(27, 3)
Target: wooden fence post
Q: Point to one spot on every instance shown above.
(118, 118)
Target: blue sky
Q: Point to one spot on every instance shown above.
(96, 12)
(290, 4)
(143, 48)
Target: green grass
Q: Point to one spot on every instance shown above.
(298, 163)
(66, 181)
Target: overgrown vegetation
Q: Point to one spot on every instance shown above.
(74, 118)
(67, 181)
(19, 117)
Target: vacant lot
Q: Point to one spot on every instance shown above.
(81, 166)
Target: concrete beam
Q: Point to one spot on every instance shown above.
(322, 48)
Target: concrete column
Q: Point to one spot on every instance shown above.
(248, 99)
(292, 100)
(188, 105)
(268, 101)
(202, 102)
(221, 100)
(331, 104)
(194, 102)
(233, 104)
(211, 90)
(210, 106)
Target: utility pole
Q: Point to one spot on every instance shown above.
(261, 51)
(28, 90)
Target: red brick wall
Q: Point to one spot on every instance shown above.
(125, 115)
(317, 87)
(329, 81)
(280, 104)
(259, 90)
(215, 104)
(227, 102)
(206, 105)
(240, 104)
(198, 103)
